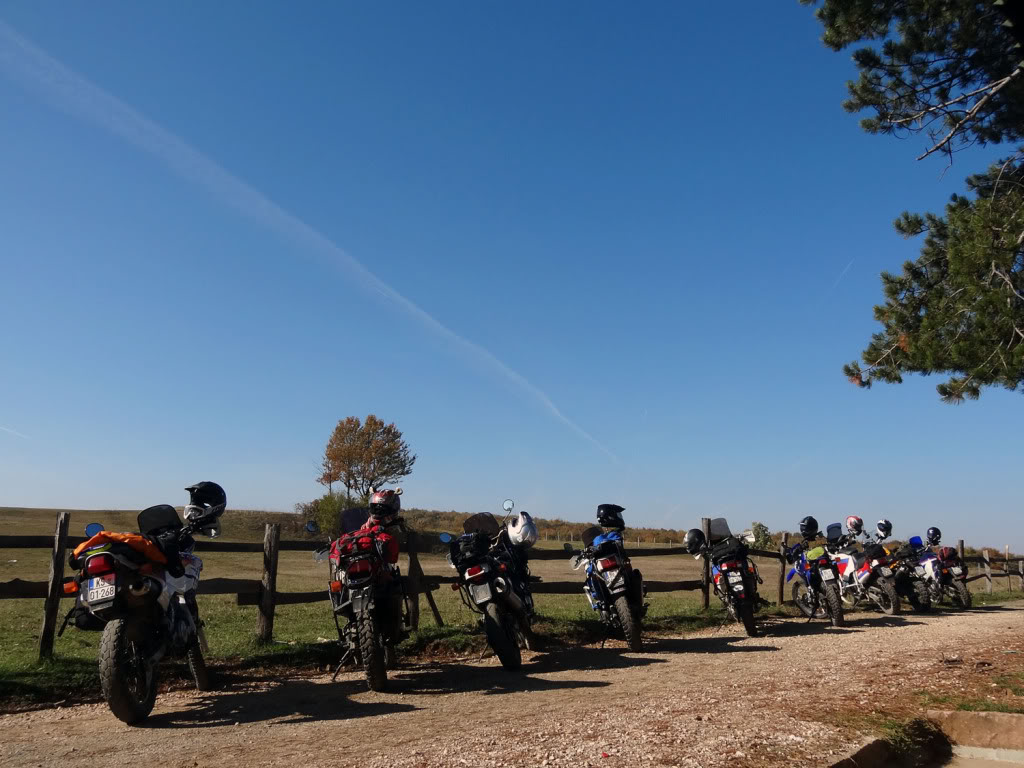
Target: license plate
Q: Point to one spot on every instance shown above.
(733, 576)
(885, 571)
(481, 592)
(956, 571)
(827, 575)
(920, 570)
(101, 588)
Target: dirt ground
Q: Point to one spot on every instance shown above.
(797, 695)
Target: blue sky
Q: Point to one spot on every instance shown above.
(232, 225)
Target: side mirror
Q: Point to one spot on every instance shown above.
(567, 547)
(398, 491)
(312, 527)
(320, 555)
(445, 537)
(92, 529)
(748, 536)
(509, 505)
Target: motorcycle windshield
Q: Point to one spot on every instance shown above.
(718, 530)
(155, 519)
(591, 534)
(353, 519)
(482, 522)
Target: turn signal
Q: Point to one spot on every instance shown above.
(70, 587)
(335, 586)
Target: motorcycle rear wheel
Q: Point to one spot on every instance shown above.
(128, 683)
(197, 665)
(630, 623)
(919, 598)
(501, 636)
(372, 654)
(746, 612)
(961, 594)
(835, 605)
(883, 594)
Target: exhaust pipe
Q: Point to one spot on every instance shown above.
(511, 598)
(140, 588)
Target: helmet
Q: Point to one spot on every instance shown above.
(522, 531)
(808, 527)
(884, 528)
(610, 516)
(385, 505)
(694, 540)
(933, 535)
(854, 525)
(206, 502)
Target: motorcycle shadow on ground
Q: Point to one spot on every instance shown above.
(706, 644)
(791, 627)
(290, 701)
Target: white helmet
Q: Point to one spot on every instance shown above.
(522, 531)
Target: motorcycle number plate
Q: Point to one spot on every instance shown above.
(101, 588)
(481, 592)
(734, 576)
(956, 570)
(827, 575)
(920, 570)
(885, 571)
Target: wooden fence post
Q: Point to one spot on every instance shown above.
(265, 626)
(960, 548)
(55, 587)
(1020, 570)
(988, 571)
(783, 546)
(1009, 581)
(414, 577)
(705, 579)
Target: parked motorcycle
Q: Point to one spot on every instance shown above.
(909, 575)
(734, 576)
(816, 586)
(494, 579)
(613, 587)
(945, 574)
(140, 591)
(367, 592)
(864, 575)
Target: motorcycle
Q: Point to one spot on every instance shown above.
(816, 588)
(909, 575)
(130, 588)
(946, 576)
(734, 575)
(613, 587)
(366, 589)
(494, 580)
(863, 575)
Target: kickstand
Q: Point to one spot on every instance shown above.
(344, 660)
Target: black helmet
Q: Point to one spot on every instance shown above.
(884, 528)
(808, 527)
(854, 525)
(206, 502)
(610, 516)
(933, 536)
(385, 505)
(694, 540)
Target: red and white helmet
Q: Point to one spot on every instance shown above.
(854, 525)
(385, 505)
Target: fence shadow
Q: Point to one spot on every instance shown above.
(291, 701)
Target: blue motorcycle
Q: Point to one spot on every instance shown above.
(816, 588)
(613, 587)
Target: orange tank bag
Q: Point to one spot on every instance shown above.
(134, 540)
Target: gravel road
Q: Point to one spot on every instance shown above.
(794, 696)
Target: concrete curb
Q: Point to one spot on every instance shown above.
(990, 730)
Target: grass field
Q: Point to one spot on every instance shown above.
(300, 630)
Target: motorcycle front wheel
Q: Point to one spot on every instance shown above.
(746, 612)
(883, 594)
(501, 636)
(197, 665)
(630, 623)
(919, 598)
(127, 681)
(802, 599)
(372, 654)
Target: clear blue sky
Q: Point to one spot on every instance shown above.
(658, 218)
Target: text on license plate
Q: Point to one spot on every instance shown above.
(101, 588)
(827, 575)
(733, 576)
(956, 570)
(481, 592)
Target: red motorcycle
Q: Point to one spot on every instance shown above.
(367, 591)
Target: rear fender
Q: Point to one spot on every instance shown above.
(791, 574)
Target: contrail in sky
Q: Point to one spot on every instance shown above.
(14, 432)
(38, 72)
(842, 275)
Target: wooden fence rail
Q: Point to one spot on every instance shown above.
(264, 594)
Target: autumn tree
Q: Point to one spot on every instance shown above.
(952, 70)
(365, 455)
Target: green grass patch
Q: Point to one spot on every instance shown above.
(916, 741)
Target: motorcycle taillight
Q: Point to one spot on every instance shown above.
(359, 567)
(608, 563)
(98, 565)
(730, 564)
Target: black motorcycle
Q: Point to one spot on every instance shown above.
(367, 591)
(613, 587)
(909, 578)
(139, 590)
(494, 582)
(734, 575)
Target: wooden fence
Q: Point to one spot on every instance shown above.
(263, 592)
